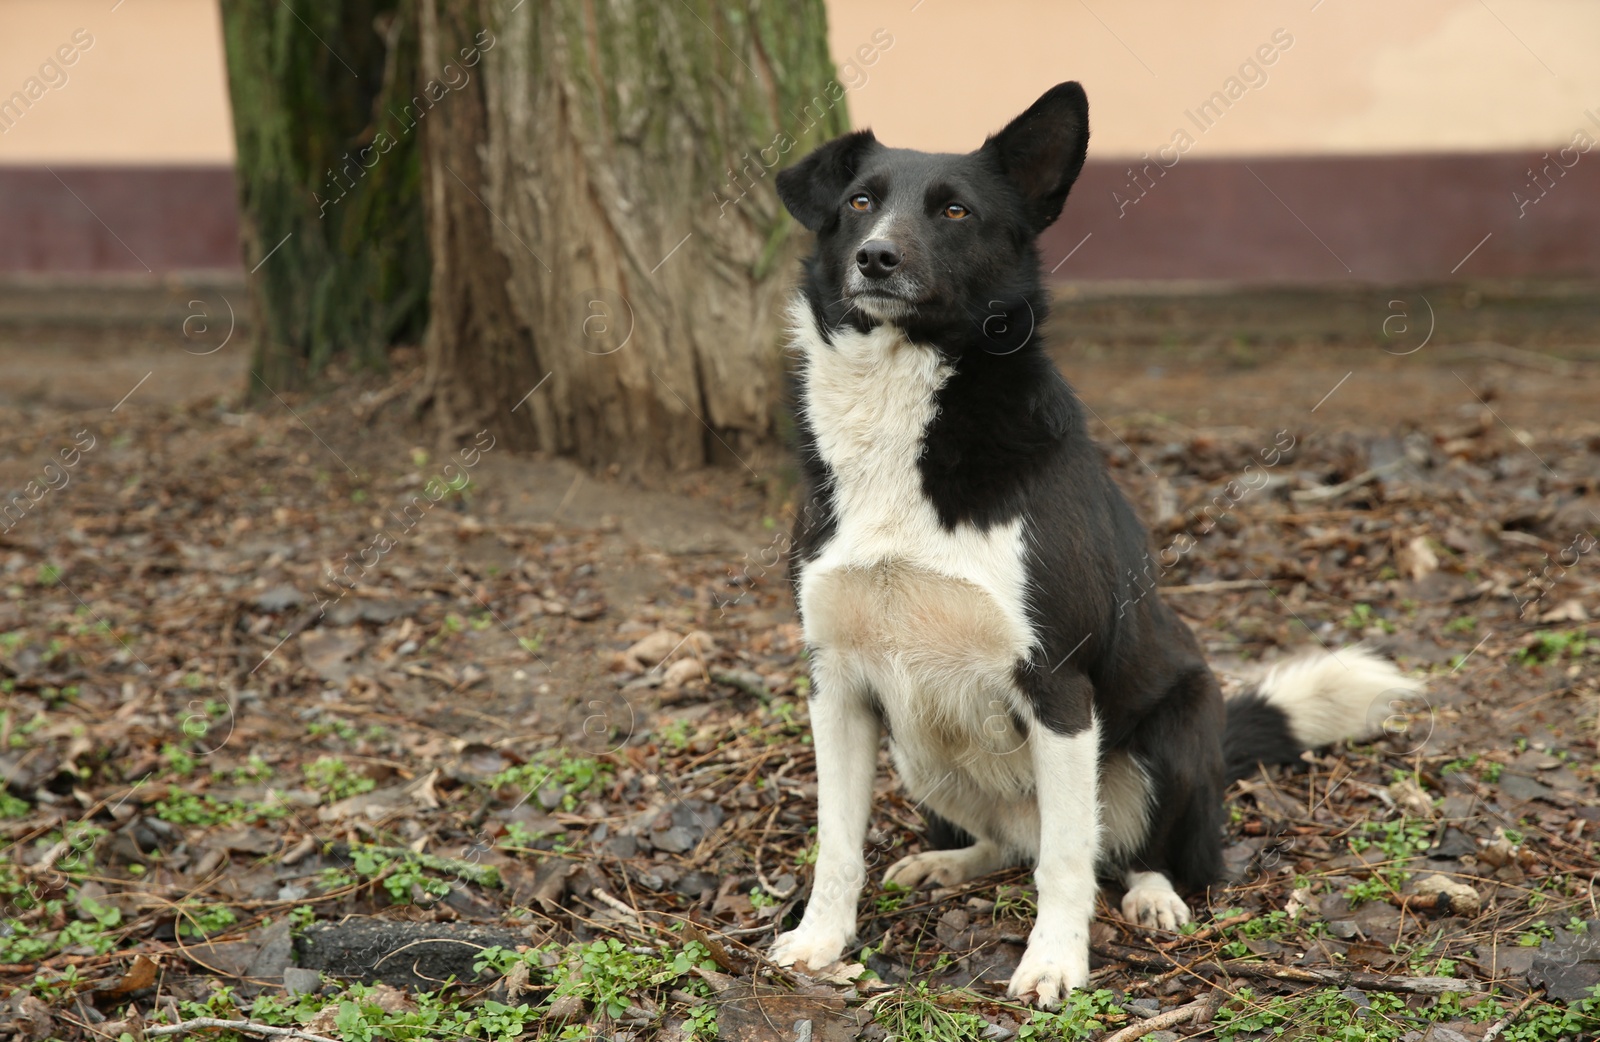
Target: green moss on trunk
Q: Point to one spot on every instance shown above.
(329, 179)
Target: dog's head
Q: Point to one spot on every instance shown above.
(941, 245)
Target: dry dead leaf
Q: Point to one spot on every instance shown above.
(416, 794)
(1416, 559)
(139, 975)
(655, 647)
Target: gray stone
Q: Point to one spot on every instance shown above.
(693, 884)
(623, 845)
(1521, 787)
(675, 840)
(297, 981)
(1453, 844)
(359, 610)
(279, 598)
(1379, 922)
(275, 954)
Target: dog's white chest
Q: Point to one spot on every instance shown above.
(931, 619)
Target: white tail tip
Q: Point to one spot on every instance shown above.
(1332, 696)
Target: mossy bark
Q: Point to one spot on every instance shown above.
(603, 222)
(329, 179)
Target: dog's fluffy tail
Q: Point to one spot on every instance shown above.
(1310, 702)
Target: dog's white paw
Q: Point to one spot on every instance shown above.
(814, 947)
(930, 868)
(1050, 969)
(1158, 907)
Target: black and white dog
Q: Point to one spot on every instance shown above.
(966, 570)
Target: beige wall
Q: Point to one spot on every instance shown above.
(1360, 75)
(149, 89)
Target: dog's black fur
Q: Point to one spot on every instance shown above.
(1009, 440)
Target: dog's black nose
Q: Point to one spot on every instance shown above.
(878, 258)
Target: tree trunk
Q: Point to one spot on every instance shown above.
(603, 222)
(329, 179)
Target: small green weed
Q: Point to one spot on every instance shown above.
(187, 808)
(1085, 1013)
(573, 777)
(1378, 887)
(404, 878)
(893, 897)
(1548, 647)
(205, 921)
(1398, 840)
(1014, 902)
(338, 779)
(1362, 616)
(343, 730)
(919, 1014)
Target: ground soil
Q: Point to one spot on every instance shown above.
(200, 612)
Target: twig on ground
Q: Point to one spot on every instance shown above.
(1326, 492)
(1517, 356)
(371, 403)
(1364, 981)
(47, 862)
(1161, 1021)
(741, 680)
(248, 1027)
(761, 876)
(1215, 587)
(1294, 974)
(298, 853)
(1507, 1020)
(1209, 931)
(428, 940)
(607, 899)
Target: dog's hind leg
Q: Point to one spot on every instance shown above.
(1179, 749)
(947, 867)
(1151, 901)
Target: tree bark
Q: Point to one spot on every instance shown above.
(329, 179)
(603, 224)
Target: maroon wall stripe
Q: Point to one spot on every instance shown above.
(118, 219)
(1368, 219)
(1312, 219)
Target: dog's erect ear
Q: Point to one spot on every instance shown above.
(1042, 150)
(811, 188)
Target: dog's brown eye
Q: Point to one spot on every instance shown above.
(956, 212)
(861, 202)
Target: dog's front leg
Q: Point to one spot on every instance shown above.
(1066, 772)
(844, 732)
